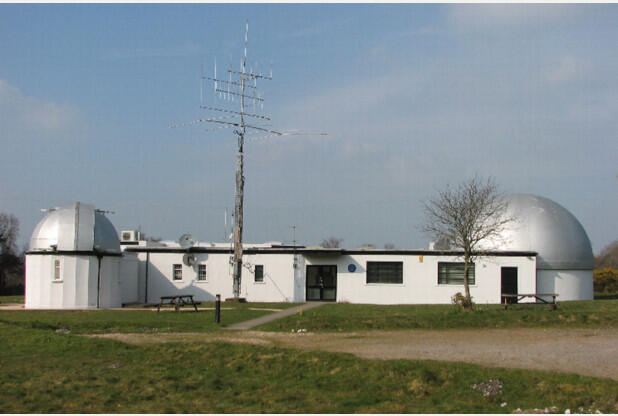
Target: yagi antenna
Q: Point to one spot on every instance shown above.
(239, 90)
(202, 85)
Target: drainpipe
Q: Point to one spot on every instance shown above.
(99, 282)
(146, 284)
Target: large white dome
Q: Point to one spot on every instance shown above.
(546, 227)
(75, 227)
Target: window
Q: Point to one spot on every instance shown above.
(453, 273)
(259, 273)
(201, 272)
(384, 272)
(57, 275)
(177, 272)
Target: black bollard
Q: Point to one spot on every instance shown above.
(218, 309)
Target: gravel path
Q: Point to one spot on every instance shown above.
(592, 352)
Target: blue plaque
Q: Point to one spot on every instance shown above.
(351, 268)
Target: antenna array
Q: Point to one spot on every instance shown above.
(238, 88)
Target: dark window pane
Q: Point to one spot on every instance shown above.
(312, 276)
(177, 271)
(453, 273)
(313, 293)
(201, 275)
(384, 272)
(259, 273)
(328, 294)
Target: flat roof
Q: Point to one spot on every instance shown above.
(318, 251)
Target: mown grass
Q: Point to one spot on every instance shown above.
(353, 317)
(4, 300)
(42, 371)
(139, 321)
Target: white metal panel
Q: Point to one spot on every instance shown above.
(66, 228)
(109, 288)
(85, 231)
(544, 226)
(569, 284)
(128, 271)
(75, 227)
(35, 274)
(83, 270)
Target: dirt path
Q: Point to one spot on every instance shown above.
(592, 352)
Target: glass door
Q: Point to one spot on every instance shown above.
(321, 283)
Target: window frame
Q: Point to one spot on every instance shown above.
(259, 267)
(202, 267)
(57, 270)
(176, 269)
(449, 280)
(370, 269)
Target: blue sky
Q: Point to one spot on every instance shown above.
(412, 97)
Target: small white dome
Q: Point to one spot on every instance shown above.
(544, 226)
(75, 227)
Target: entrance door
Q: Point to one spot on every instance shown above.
(509, 283)
(322, 283)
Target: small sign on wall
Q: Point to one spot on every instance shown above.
(351, 268)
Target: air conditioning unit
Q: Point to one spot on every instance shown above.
(129, 236)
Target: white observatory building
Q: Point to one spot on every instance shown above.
(77, 261)
(564, 260)
(73, 261)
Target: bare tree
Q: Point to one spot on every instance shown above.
(368, 246)
(331, 242)
(466, 216)
(9, 229)
(11, 263)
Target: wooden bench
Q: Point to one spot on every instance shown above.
(177, 301)
(537, 296)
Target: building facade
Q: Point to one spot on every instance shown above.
(76, 260)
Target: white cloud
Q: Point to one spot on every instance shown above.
(503, 16)
(568, 69)
(33, 115)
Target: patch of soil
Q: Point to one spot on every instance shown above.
(589, 352)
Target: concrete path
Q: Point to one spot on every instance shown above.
(274, 316)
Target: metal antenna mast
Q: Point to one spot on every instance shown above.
(241, 86)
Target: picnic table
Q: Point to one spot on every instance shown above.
(538, 296)
(177, 301)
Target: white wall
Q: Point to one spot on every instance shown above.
(77, 287)
(284, 283)
(160, 281)
(34, 293)
(420, 279)
(128, 278)
(109, 286)
(569, 284)
(278, 285)
(279, 278)
(124, 279)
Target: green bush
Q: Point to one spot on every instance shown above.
(606, 280)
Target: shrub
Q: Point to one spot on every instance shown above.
(606, 280)
(460, 300)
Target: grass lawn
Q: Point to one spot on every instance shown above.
(353, 317)
(4, 300)
(42, 371)
(102, 321)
